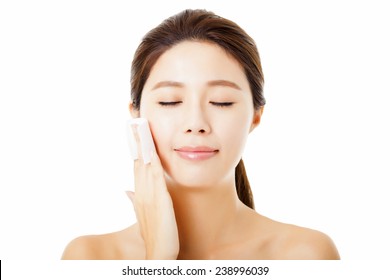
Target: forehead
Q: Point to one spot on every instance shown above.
(193, 61)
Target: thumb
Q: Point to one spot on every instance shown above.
(131, 196)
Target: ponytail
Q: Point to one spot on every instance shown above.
(243, 187)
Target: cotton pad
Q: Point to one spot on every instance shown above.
(145, 136)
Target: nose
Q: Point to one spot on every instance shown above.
(197, 121)
(201, 131)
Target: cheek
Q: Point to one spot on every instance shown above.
(161, 125)
(162, 129)
(238, 135)
(235, 132)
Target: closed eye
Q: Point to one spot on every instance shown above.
(222, 104)
(171, 103)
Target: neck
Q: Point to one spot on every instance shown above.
(205, 218)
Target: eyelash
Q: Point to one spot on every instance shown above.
(173, 103)
(222, 104)
(218, 104)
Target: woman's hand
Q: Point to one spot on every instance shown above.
(154, 208)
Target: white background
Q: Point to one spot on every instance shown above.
(320, 158)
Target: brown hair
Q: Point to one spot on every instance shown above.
(201, 25)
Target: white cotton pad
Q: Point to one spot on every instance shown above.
(146, 139)
(131, 140)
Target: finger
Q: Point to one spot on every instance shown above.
(131, 139)
(143, 184)
(157, 169)
(131, 196)
(155, 159)
(143, 138)
(137, 141)
(146, 139)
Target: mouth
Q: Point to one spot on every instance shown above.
(196, 153)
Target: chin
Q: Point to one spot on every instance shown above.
(191, 180)
(207, 174)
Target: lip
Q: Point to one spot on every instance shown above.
(196, 153)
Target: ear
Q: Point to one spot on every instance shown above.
(133, 111)
(256, 118)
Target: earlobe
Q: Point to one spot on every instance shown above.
(133, 111)
(256, 118)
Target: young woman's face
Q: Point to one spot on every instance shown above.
(200, 111)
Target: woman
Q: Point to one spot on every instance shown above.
(197, 79)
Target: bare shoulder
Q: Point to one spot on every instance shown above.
(81, 248)
(124, 244)
(300, 243)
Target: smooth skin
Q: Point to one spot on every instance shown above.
(198, 95)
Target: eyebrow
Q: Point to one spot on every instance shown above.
(223, 83)
(213, 83)
(167, 84)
